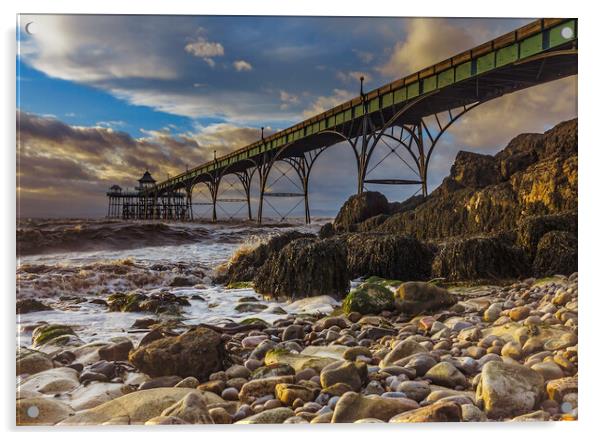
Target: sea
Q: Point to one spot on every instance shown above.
(69, 263)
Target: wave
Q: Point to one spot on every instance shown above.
(35, 237)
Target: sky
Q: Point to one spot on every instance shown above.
(100, 99)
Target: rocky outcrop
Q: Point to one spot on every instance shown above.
(388, 256)
(359, 208)
(529, 187)
(305, 267)
(531, 229)
(480, 258)
(196, 353)
(556, 254)
(244, 265)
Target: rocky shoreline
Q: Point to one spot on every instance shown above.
(469, 354)
(462, 306)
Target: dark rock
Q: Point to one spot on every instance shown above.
(246, 264)
(116, 352)
(163, 302)
(556, 254)
(305, 267)
(388, 256)
(358, 208)
(531, 229)
(479, 258)
(31, 305)
(326, 231)
(196, 353)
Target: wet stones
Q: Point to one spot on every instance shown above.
(196, 353)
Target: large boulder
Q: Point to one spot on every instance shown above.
(358, 208)
(245, 262)
(388, 256)
(32, 361)
(41, 411)
(508, 389)
(415, 297)
(556, 254)
(138, 407)
(305, 267)
(30, 305)
(369, 299)
(479, 258)
(196, 353)
(353, 406)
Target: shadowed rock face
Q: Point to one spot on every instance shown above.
(247, 265)
(478, 258)
(305, 267)
(388, 256)
(359, 208)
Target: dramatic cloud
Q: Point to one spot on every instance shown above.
(204, 49)
(323, 103)
(242, 65)
(427, 42)
(56, 159)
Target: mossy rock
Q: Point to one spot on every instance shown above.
(383, 282)
(369, 299)
(240, 285)
(46, 333)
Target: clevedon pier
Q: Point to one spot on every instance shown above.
(406, 116)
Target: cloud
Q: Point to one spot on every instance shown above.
(536, 109)
(288, 99)
(323, 103)
(67, 168)
(353, 77)
(205, 49)
(242, 66)
(427, 41)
